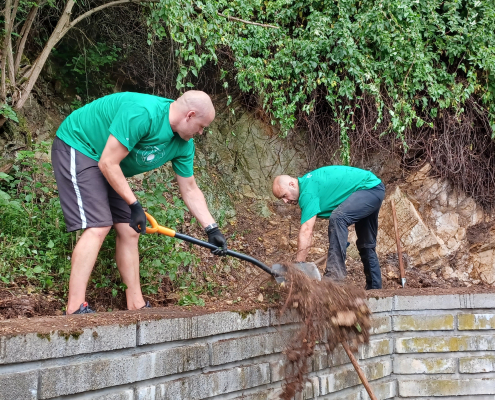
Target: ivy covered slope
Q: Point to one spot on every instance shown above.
(414, 58)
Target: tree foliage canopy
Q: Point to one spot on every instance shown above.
(346, 71)
(421, 55)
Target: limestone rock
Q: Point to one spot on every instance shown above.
(483, 260)
(433, 220)
(253, 150)
(418, 240)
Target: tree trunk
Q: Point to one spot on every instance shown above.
(57, 34)
(7, 16)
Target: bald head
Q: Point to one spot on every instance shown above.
(280, 183)
(198, 101)
(286, 188)
(191, 113)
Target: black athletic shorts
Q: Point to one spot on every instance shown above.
(86, 197)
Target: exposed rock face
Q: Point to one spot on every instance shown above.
(433, 220)
(252, 152)
(420, 243)
(247, 154)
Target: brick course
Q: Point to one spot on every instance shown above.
(446, 387)
(472, 365)
(435, 344)
(98, 374)
(34, 346)
(211, 384)
(423, 322)
(431, 365)
(467, 322)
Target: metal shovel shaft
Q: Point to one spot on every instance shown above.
(232, 253)
(277, 271)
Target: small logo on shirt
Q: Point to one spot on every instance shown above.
(309, 176)
(149, 155)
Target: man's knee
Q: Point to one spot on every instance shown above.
(370, 246)
(125, 232)
(367, 252)
(337, 218)
(334, 272)
(98, 232)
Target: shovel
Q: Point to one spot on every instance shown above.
(277, 271)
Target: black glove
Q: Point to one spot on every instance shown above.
(215, 237)
(138, 218)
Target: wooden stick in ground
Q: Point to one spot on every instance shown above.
(321, 259)
(399, 250)
(359, 371)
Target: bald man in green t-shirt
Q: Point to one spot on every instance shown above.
(345, 196)
(96, 148)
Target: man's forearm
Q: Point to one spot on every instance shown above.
(115, 177)
(304, 239)
(303, 244)
(196, 203)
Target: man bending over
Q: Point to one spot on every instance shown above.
(96, 148)
(346, 196)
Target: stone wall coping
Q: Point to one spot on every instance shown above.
(432, 301)
(378, 300)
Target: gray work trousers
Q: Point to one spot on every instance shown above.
(360, 208)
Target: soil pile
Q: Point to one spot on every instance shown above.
(330, 313)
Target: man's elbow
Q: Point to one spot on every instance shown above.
(307, 229)
(104, 166)
(189, 189)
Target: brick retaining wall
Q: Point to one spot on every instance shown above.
(421, 347)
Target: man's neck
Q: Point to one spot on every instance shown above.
(172, 115)
(296, 183)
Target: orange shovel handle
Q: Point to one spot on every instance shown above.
(155, 228)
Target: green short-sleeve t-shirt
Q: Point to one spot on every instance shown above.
(140, 122)
(322, 190)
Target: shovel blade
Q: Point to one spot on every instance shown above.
(308, 268)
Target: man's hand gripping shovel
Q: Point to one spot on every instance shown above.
(277, 271)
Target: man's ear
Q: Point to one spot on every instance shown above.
(190, 115)
(292, 184)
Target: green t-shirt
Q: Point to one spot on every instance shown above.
(322, 190)
(138, 121)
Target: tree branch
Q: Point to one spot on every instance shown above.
(35, 70)
(10, 60)
(14, 12)
(63, 26)
(21, 40)
(102, 7)
(10, 52)
(200, 10)
(61, 29)
(247, 22)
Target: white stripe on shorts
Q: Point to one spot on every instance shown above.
(76, 188)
